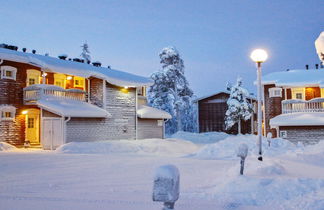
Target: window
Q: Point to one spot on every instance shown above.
(33, 77)
(141, 91)
(79, 82)
(30, 122)
(298, 93)
(275, 92)
(8, 113)
(283, 134)
(299, 96)
(8, 72)
(60, 80)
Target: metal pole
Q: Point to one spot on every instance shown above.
(259, 111)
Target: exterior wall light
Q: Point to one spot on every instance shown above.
(69, 77)
(24, 112)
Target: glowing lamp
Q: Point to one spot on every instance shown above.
(44, 74)
(259, 55)
(126, 87)
(69, 77)
(24, 112)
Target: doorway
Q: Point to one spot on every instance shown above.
(32, 126)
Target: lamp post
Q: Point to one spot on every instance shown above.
(259, 56)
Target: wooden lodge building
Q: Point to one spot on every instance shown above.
(49, 101)
(211, 115)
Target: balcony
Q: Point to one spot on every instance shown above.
(36, 92)
(297, 105)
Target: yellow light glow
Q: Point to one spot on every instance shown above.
(259, 55)
(24, 112)
(126, 87)
(69, 77)
(44, 74)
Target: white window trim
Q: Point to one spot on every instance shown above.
(273, 92)
(7, 108)
(8, 68)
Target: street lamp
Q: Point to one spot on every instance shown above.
(259, 56)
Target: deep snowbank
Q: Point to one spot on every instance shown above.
(170, 147)
(200, 138)
(6, 147)
(226, 148)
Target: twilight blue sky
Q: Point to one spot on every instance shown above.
(214, 37)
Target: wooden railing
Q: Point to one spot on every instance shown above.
(296, 105)
(37, 92)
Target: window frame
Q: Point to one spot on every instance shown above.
(273, 92)
(283, 134)
(60, 78)
(5, 109)
(12, 69)
(33, 74)
(295, 91)
(76, 78)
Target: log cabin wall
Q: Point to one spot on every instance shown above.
(212, 115)
(11, 93)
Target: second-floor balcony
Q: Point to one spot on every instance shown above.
(298, 105)
(34, 93)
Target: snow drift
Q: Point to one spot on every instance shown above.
(6, 147)
(170, 147)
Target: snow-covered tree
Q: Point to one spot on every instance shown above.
(170, 91)
(238, 106)
(85, 53)
(319, 45)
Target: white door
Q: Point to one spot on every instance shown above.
(52, 133)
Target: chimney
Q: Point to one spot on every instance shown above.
(316, 66)
(306, 66)
(62, 56)
(108, 67)
(96, 64)
(33, 51)
(24, 49)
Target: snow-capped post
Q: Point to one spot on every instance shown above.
(242, 153)
(85, 53)
(269, 136)
(259, 56)
(238, 106)
(166, 186)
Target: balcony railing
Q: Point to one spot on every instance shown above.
(297, 105)
(33, 93)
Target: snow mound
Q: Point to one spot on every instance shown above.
(201, 138)
(226, 149)
(6, 147)
(170, 147)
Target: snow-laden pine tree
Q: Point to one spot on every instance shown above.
(238, 106)
(171, 92)
(85, 53)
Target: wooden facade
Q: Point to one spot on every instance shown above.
(211, 115)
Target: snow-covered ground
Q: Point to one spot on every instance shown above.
(119, 174)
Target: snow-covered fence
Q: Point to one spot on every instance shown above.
(36, 92)
(242, 153)
(166, 186)
(297, 105)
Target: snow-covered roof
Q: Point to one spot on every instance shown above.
(296, 78)
(147, 112)
(51, 64)
(298, 119)
(72, 108)
(226, 92)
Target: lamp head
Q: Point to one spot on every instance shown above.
(259, 55)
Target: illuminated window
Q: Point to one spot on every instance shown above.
(60, 80)
(298, 93)
(7, 113)
(8, 72)
(79, 82)
(33, 77)
(30, 122)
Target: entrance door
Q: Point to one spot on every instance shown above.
(52, 133)
(32, 126)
